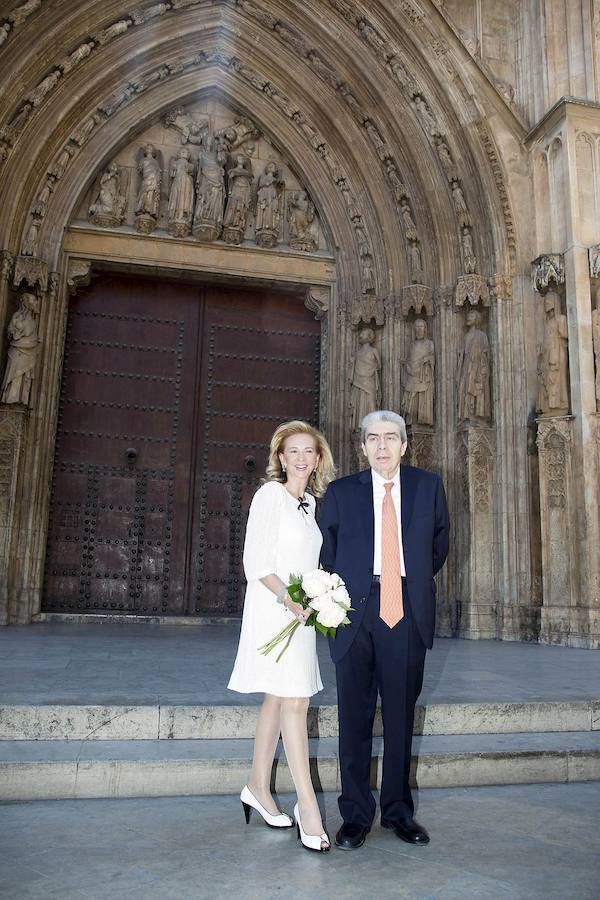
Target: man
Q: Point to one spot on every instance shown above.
(385, 532)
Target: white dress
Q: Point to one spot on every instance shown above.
(284, 540)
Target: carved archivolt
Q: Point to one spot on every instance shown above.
(387, 53)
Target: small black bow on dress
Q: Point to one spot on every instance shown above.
(303, 505)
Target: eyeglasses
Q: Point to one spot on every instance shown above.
(374, 439)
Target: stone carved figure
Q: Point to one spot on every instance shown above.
(108, 209)
(419, 378)
(148, 199)
(474, 372)
(210, 202)
(181, 195)
(268, 206)
(416, 262)
(239, 200)
(365, 379)
(553, 394)
(469, 258)
(410, 229)
(426, 116)
(460, 206)
(301, 216)
(22, 351)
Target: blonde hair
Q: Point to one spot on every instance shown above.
(325, 469)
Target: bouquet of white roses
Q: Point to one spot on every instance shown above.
(325, 595)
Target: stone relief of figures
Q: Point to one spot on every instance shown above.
(148, 199)
(365, 379)
(419, 378)
(239, 200)
(181, 195)
(22, 351)
(268, 205)
(108, 209)
(214, 187)
(210, 202)
(474, 372)
(301, 216)
(553, 363)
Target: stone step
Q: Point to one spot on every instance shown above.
(48, 770)
(213, 722)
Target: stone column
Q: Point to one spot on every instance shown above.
(569, 276)
(559, 530)
(444, 337)
(13, 420)
(475, 476)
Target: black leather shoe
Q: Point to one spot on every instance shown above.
(350, 836)
(407, 830)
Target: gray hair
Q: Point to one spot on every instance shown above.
(382, 415)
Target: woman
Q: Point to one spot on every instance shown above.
(283, 538)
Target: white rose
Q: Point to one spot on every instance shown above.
(340, 595)
(322, 601)
(331, 615)
(315, 583)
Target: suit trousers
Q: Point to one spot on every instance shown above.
(389, 661)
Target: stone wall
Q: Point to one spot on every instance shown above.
(418, 158)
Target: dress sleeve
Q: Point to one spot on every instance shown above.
(262, 532)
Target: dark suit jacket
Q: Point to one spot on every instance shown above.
(346, 522)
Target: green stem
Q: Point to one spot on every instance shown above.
(287, 643)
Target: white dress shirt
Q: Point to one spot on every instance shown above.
(378, 495)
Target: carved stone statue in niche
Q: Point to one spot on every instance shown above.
(108, 210)
(419, 378)
(469, 258)
(239, 200)
(268, 206)
(181, 196)
(210, 203)
(301, 215)
(365, 378)
(474, 372)
(410, 229)
(553, 394)
(416, 261)
(22, 351)
(148, 199)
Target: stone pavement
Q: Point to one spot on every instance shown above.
(144, 664)
(537, 842)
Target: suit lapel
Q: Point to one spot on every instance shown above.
(407, 499)
(366, 507)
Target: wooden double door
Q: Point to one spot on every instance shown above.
(170, 393)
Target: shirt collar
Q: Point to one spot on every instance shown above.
(379, 482)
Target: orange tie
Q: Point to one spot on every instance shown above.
(391, 609)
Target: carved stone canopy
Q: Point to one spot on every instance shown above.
(594, 259)
(472, 289)
(546, 270)
(31, 270)
(418, 297)
(367, 309)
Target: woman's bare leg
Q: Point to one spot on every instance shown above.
(265, 743)
(294, 732)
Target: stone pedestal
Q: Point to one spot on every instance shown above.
(421, 447)
(474, 533)
(12, 430)
(558, 526)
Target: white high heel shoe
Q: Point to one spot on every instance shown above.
(249, 801)
(311, 841)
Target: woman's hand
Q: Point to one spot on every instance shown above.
(297, 610)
